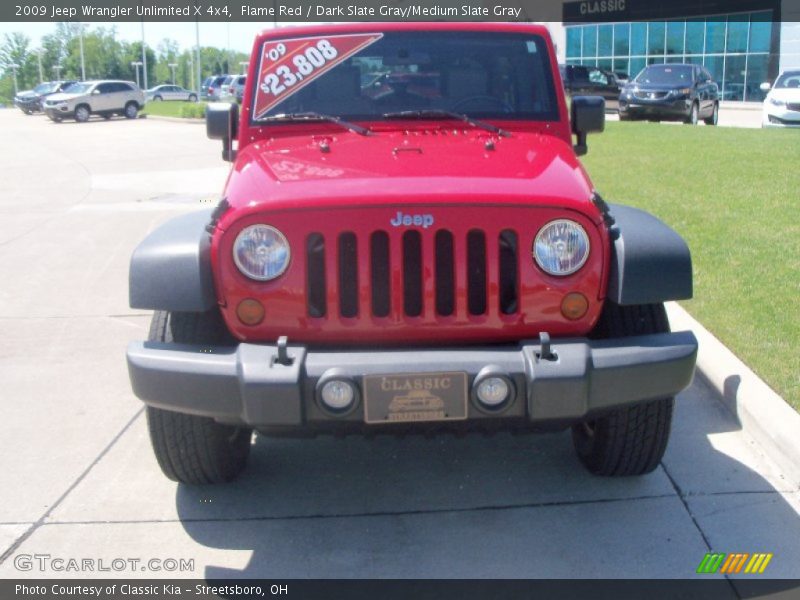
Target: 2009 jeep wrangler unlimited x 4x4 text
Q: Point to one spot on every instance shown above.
(408, 243)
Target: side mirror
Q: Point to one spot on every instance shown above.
(765, 87)
(222, 123)
(588, 115)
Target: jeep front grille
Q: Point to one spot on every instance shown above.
(415, 254)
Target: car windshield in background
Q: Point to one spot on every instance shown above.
(45, 88)
(666, 75)
(78, 88)
(365, 76)
(789, 79)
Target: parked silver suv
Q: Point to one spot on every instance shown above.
(105, 98)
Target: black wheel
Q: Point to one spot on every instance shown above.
(54, 118)
(192, 97)
(714, 118)
(82, 113)
(131, 110)
(107, 116)
(27, 111)
(191, 449)
(157, 98)
(630, 440)
(694, 115)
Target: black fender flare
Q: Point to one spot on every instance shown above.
(650, 262)
(171, 268)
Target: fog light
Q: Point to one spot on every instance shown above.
(337, 395)
(574, 306)
(493, 391)
(250, 312)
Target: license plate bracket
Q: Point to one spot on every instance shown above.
(415, 397)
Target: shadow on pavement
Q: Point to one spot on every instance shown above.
(503, 506)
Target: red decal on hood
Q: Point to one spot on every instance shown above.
(289, 65)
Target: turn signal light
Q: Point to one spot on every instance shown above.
(250, 311)
(574, 306)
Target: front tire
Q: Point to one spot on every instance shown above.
(191, 449)
(694, 114)
(82, 113)
(131, 110)
(630, 440)
(192, 98)
(714, 118)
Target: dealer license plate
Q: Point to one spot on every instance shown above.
(415, 397)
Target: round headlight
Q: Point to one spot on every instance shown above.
(261, 252)
(561, 247)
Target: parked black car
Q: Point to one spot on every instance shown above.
(671, 92)
(30, 101)
(590, 81)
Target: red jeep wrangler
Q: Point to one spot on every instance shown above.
(407, 243)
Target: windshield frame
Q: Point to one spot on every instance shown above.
(663, 67)
(79, 87)
(553, 115)
(779, 83)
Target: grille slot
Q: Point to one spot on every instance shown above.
(509, 272)
(380, 274)
(348, 275)
(315, 271)
(445, 274)
(412, 273)
(476, 272)
(408, 258)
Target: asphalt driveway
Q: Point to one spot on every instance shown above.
(80, 480)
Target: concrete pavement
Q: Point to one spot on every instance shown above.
(81, 481)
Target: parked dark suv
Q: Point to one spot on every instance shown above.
(591, 81)
(671, 92)
(30, 101)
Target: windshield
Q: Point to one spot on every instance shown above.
(680, 75)
(45, 88)
(789, 79)
(365, 76)
(78, 88)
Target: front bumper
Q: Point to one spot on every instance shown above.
(62, 111)
(780, 117)
(246, 384)
(668, 107)
(28, 104)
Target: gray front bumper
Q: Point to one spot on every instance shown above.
(245, 384)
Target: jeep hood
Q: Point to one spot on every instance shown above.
(436, 165)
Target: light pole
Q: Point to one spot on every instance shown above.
(244, 64)
(197, 62)
(136, 64)
(191, 72)
(39, 58)
(14, 67)
(83, 63)
(144, 60)
(173, 66)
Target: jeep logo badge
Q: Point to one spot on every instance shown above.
(402, 220)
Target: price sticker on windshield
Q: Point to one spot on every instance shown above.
(287, 66)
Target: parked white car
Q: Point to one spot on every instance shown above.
(170, 92)
(782, 104)
(86, 98)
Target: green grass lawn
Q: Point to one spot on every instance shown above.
(734, 195)
(176, 109)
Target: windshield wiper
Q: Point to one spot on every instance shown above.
(438, 113)
(315, 116)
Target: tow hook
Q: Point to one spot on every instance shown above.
(283, 357)
(545, 352)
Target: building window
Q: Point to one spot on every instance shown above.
(734, 48)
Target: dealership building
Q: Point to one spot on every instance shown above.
(743, 43)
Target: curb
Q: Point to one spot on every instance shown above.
(762, 413)
(173, 119)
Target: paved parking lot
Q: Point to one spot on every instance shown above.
(80, 480)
